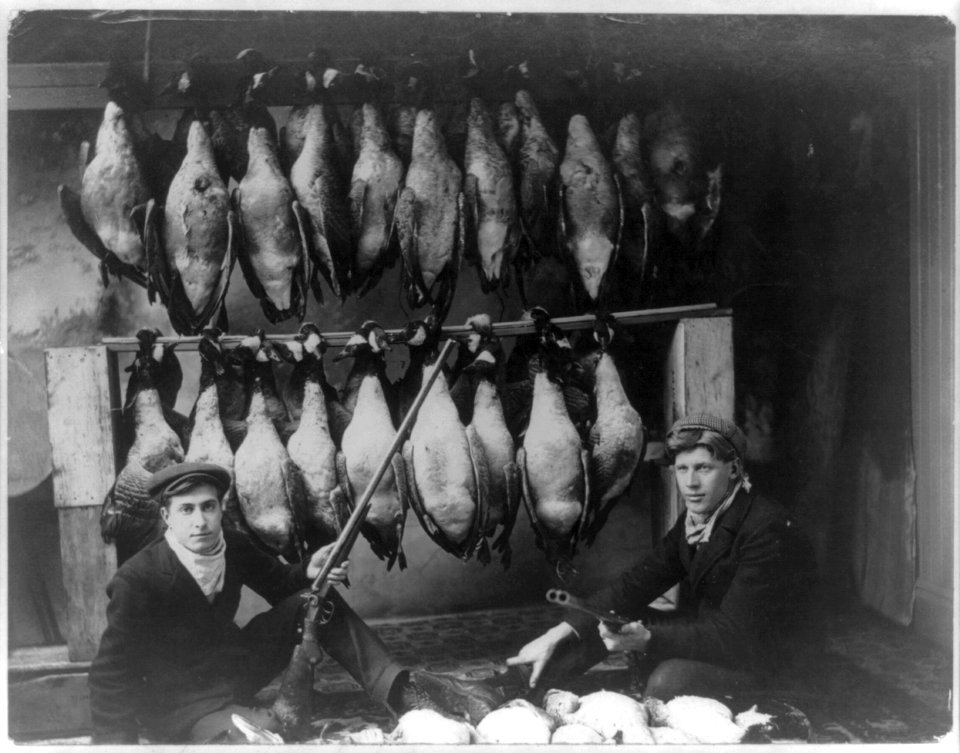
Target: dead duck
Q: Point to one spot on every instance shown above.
(130, 517)
(553, 465)
(312, 449)
(590, 210)
(113, 186)
(617, 437)
(269, 486)
(686, 185)
(445, 476)
(490, 426)
(375, 186)
(366, 441)
(316, 182)
(190, 247)
(491, 207)
(633, 259)
(159, 158)
(429, 220)
(509, 130)
(272, 245)
(538, 159)
(414, 92)
(258, 356)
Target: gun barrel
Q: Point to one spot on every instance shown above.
(351, 528)
(562, 598)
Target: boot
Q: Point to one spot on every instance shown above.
(453, 696)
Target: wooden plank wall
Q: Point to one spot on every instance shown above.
(932, 276)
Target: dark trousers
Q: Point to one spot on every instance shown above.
(662, 677)
(269, 639)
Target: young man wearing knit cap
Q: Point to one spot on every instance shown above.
(173, 664)
(746, 574)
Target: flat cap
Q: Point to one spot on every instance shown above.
(708, 422)
(180, 473)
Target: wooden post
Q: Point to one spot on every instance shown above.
(698, 377)
(80, 397)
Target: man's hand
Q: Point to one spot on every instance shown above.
(338, 575)
(538, 651)
(632, 637)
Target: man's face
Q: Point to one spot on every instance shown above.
(195, 516)
(702, 479)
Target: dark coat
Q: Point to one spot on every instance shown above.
(748, 592)
(168, 656)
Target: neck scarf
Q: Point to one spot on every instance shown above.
(699, 527)
(207, 569)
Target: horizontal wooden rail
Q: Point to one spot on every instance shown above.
(501, 329)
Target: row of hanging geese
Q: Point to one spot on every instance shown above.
(319, 200)
(550, 427)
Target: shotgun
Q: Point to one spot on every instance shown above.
(563, 599)
(293, 701)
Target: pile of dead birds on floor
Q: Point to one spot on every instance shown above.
(327, 204)
(549, 428)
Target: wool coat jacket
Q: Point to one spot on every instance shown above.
(168, 656)
(747, 594)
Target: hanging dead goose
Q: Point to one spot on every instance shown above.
(366, 441)
(536, 184)
(312, 449)
(273, 246)
(491, 207)
(429, 220)
(463, 382)
(617, 438)
(269, 487)
(634, 256)
(113, 186)
(320, 191)
(376, 183)
(490, 426)
(130, 517)
(446, 477)
(422, 338)
(208, 439)
(190, 248)
(553, 465)
(591, 212)
(304, 368)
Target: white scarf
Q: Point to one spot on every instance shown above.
(699, 527)
(207, 569)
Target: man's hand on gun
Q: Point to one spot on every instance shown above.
(630, 637)
(338, 575)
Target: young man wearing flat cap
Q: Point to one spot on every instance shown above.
(746, 573)
(173, 664)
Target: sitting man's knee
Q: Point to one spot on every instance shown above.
(669, 679)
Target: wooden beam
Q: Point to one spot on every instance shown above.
(501, 329)
(81, 397)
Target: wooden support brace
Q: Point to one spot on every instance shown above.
(698, 377)
(80, 394)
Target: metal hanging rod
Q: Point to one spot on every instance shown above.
(456, 331)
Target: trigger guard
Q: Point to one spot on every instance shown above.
(326, 613)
